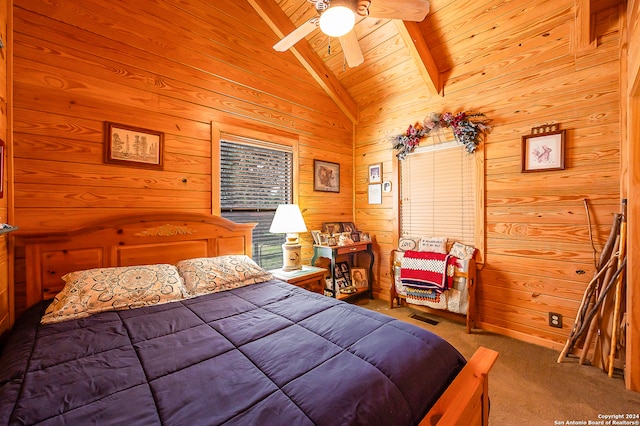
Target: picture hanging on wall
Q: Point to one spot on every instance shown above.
(375, 193)
(375, 173)
(543, 149)
(133, 146)
(326, 176)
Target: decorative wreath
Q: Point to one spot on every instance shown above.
(469, 129)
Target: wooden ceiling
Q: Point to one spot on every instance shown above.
(423, 55)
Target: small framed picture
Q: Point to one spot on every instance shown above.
(543, 151)
(359, 277)
(375, 193)
(133, 146)
(332, 241)
(316, 237)
(364, 236)
(348, 227)
(326, 176)
(355, 237)
(324, 239)
(386, 186)
(375, 173)
(332, 227)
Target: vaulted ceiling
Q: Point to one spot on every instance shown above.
(422, 54)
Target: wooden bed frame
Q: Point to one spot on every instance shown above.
(169, 238)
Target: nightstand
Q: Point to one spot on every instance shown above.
(309, 277)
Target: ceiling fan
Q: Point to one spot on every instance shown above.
(336, 18)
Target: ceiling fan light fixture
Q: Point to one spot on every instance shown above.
(337, 21)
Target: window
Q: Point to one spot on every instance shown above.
(440, 194)
(255, 178)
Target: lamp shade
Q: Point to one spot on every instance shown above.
(288, 220)
(337, 21)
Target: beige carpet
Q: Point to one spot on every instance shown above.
(526, 385)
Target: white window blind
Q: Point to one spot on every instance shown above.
(438, 193)
(255, 178)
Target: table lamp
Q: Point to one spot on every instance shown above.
(288, 220)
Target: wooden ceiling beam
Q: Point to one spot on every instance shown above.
(414, 40)
(584, 22)
(280, 23)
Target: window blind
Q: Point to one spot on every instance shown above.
(438, 193)
(254, 179)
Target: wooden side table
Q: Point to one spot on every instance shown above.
(351, 250)
(309, 277)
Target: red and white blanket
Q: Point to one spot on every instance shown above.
(427, 270)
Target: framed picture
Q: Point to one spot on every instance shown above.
(375, 193)
(375, 173)
(348, 227)
(133, 146)
(355, 237)
(316, 237)
(386, 186)
(1, 168)
(326, 176)
(324, 239)
(359, 277)
(332, 228)
(543, 151)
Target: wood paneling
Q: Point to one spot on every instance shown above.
(179, 66)
(174, 67)
(515, 62)
(631, 167)
(6, 288)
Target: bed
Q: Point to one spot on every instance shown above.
(247, 350)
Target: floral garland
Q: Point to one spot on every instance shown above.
(469, 130)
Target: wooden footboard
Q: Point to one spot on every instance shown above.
(466, 400)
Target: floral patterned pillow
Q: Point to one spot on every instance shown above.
(110, 289)
(213, 274)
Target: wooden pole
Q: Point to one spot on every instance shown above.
(618, 293)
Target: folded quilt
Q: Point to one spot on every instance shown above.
(427, 270)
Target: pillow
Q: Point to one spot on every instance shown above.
(405, 244)
(462, 251)
(110, 289)
(213, 274)
(434, 245)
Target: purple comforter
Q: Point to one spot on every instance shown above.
(265, 354)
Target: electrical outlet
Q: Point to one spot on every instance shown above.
(555, 320)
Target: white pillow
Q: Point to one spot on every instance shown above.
(433, 244)
(462, 251)
(405, 244)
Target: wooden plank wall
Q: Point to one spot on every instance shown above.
(172, 66)
(5, 288)
(516, 62)
(632, 372)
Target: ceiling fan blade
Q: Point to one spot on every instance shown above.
(296, 35)
(351, 49)
(407, 10)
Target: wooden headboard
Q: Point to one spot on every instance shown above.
(126, 241)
